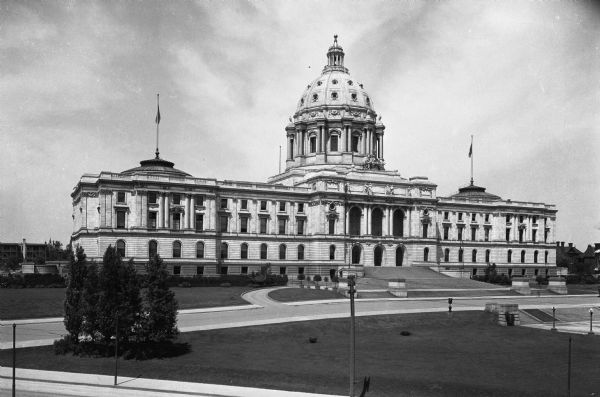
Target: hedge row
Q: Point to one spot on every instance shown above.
(33, 280)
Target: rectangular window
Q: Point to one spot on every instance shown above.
(520, 218)
(473, 217)
(200, 201)
(446, 215)
(460, 236)
(507, 218)
(281, 226)
(301, 270)
(151, 220)
(263, 225)
(224, 270)
(263, 205)
(282, 270)
(473, 234)
(520, 235)
(121, 197)
(446, 232)
(151, 197)
(487, 234)
(244, 204)
(177, 199)
(300, 226)
(244, 269)
(224, 204)
(331, 226)
(546, 235)
(507, 234)
(176, 221)
(223, 221)
(460, 214)
(176, 270)
(533, 235)
(120, 219)
(487, 217)
(534, 219)
(300, 207)
(244, 224)
(199, 270)
(282, 206)
(334, 143)
(199, 222)
(425, 227)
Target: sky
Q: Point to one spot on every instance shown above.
(78, 85)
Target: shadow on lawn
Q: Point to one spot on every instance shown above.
(127, 350)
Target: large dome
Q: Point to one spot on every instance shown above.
(334, 87)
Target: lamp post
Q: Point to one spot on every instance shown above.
(553, 319)
(449, 305)
(352, 291)
(591, 316)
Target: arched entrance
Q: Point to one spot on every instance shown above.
(398, 222)
(399, 256)
(378, 255)
(355, 215)
(376, 222)
(355, 254)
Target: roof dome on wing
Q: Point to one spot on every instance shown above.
(473, 192)
(334, 87)
(156, 166)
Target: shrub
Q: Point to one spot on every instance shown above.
(317, 278)
(326, 279)
(307, 278)
(301, 277)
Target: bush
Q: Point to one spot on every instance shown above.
(307, 278)
(301, 277)
(32, 281)
(326, 279)
(317, 278)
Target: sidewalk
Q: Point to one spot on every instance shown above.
(74, 384)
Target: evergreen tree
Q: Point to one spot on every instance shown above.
(119, 295)
(160, 311)
(74, 302)
(90, 301)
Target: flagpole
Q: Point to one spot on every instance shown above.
(471, 160)
(157, 123)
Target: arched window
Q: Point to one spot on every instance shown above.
(398, 223)
(535, 257)
(546, 257)
(282, 251)
(263, 251)
(460, 255)
(300, 252)
(333, 143)
(355, 215)
(176, 249)
(332, 252)
(200, 249)
(376, 222)
(313, 144)
(487, 256)
(377, 255)
(509, 256)
(244, 251)
(474, 256)
(523, 256)
(355, 254)
(426, 254)
(224, 250)
(447, 255)
(152, 248)
(121, 248)
(355, 141)
(399, 256)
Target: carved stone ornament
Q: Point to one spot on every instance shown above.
(368, 189)
(389, 190)
(313, 114)
(355, 114)
(413, 192)
(334, 112)
(177, 209)
(89, 194)
(373, 163)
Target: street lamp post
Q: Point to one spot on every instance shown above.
(352, 291)
(553, 319)
(591, 315)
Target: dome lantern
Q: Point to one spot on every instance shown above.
(335, 58)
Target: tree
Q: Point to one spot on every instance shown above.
(119, 296)
(90, 301)
(74, 302)
(160, 309)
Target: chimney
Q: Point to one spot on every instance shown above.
(558, 243)
(570, 245)
(24, 250)
(562, 243)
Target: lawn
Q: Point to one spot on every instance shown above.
(465, 354)
(580, 289)
(302, 294)
(48, 302)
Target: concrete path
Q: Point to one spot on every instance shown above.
(52, 383)
(266, 311)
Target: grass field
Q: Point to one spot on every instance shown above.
(466, 354)
(302, 294)
(48, 302)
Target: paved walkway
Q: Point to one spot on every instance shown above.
(32, 382)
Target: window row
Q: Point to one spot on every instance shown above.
(474, 256)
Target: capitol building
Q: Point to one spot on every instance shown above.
(334, 207)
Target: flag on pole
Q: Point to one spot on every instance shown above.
(157, 120)
(470, 148)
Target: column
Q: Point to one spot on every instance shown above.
(370, 141)
(303, 142)
(346, 221)
(192, 212)
(161, 208)
(319, 139)
(298, 143)
(368, 217)
(167, 213)
(381, 143)
(364, 142)
(388, 215)
(186, 214)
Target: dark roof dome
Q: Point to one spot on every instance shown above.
(473, 192)
(156, 166)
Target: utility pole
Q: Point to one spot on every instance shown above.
(352, 291)
(116, 346)
(14, 359)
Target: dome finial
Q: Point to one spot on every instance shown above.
(335, 39)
